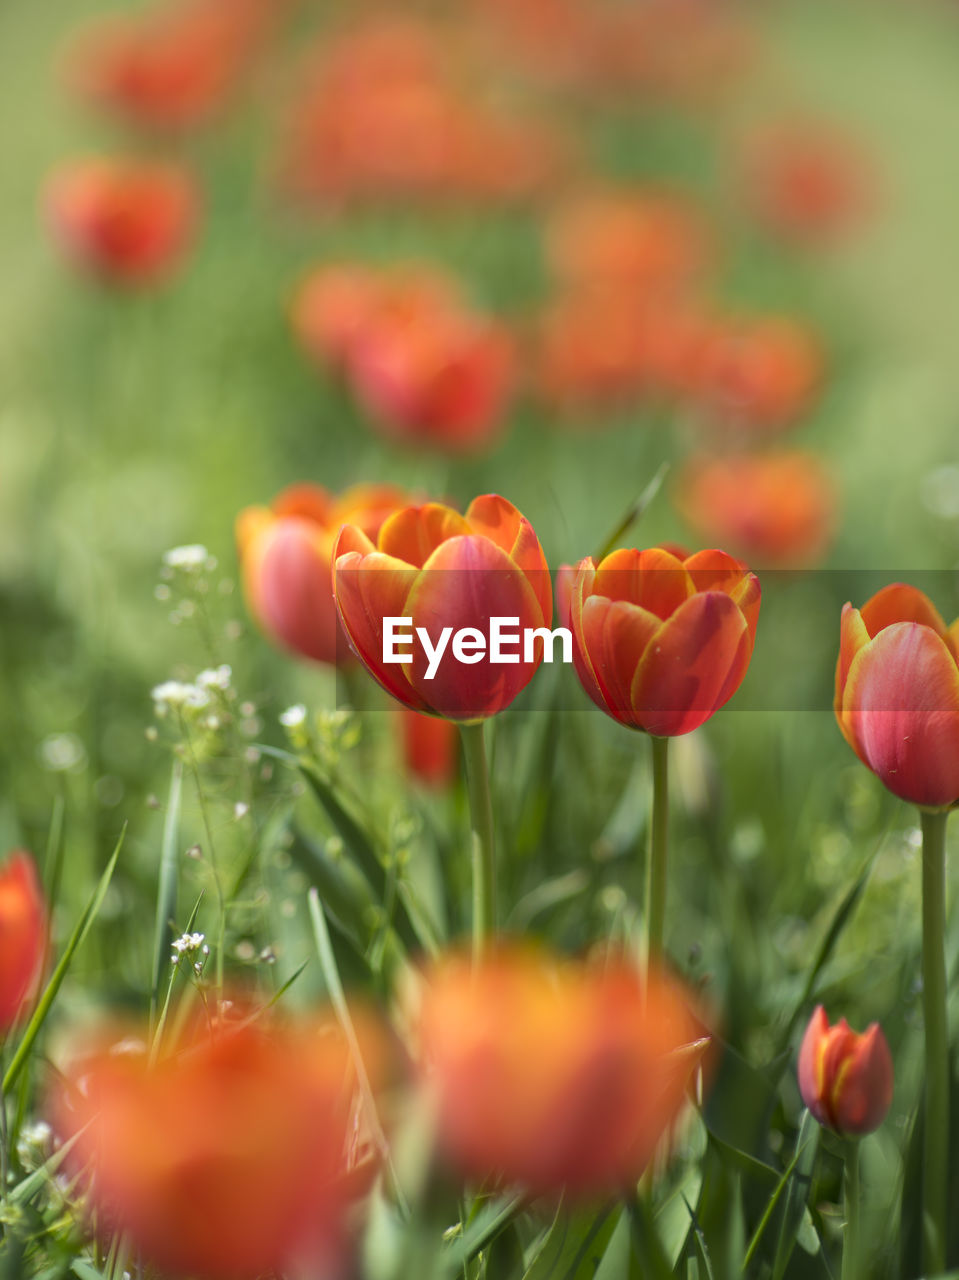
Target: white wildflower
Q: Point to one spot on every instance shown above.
(293, 717)
(191, 559)
(215, 678)
(175, 694)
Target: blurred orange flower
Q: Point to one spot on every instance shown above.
(382, 116)
(777, 507)
(234, 1157)
(169, 67)
(631, 241)
(285, 553)
(337, 304)
(23, 937)
(127, 221)
(554, 1075)
(806, 182)
(757, 375)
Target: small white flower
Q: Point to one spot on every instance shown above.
(175, 694)
(215, 678)
(293, 717)
(240, 809)
(188, 943)
(191, 559)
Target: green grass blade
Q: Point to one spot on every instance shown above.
(166, 889)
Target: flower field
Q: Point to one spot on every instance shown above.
(479, 712)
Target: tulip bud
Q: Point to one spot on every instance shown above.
(897, 694)
(127, 221)
(445, 577)
(845, 1077)
(285, 555)
(661, 642)
(23, 937)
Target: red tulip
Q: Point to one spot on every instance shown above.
(227, 1160)
(127, 221)
(553, 1075)
(285, 553)
(660, 643)
(897, 694)
(23, 937)
(429, 747)
(448, 574)
(845, 1078)
(777, 507)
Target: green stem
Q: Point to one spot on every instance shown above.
(936, 1144)
(852, 1241)
(658, 852)
(483, 845)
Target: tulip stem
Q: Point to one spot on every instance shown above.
(483, 844)
(658, 852)
(852, 1238)
(936, 1129)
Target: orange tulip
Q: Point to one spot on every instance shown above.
(337, 305)
(633, 242)
(230, 1159)
(285, 553)
(758, 375)
(777, 507)
(127, 221)
(448, 574)
(553, 1075)
(660, 643)
(845, 1077)
(23, 937)
(172, 67)
(429, 747)
(441, 380)
(897, 694)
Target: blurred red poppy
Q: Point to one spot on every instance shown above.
(126, 221)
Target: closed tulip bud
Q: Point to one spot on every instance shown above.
(285, 553)
(23, 937)
(845, 1078)
(232, 1157)
(126, 221)
(430, 747)
(662, 641)
(552, 1075)
(897, 694)
(449, 574)
(777, 507)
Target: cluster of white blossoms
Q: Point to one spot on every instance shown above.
(190, 559)
(189, 945)
(178, 695)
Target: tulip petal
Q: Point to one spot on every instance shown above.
(368, 589)
(464, 583)
(414, 533)
(616, 634)
(900, 709)
(900, 602)
(288, 581)
(579, 586)
(863, 1092)
(853, 636)
(308, 501)
(693, 665)
(714, 570)
(499, 521)
(812, 1079)
(653, 579)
